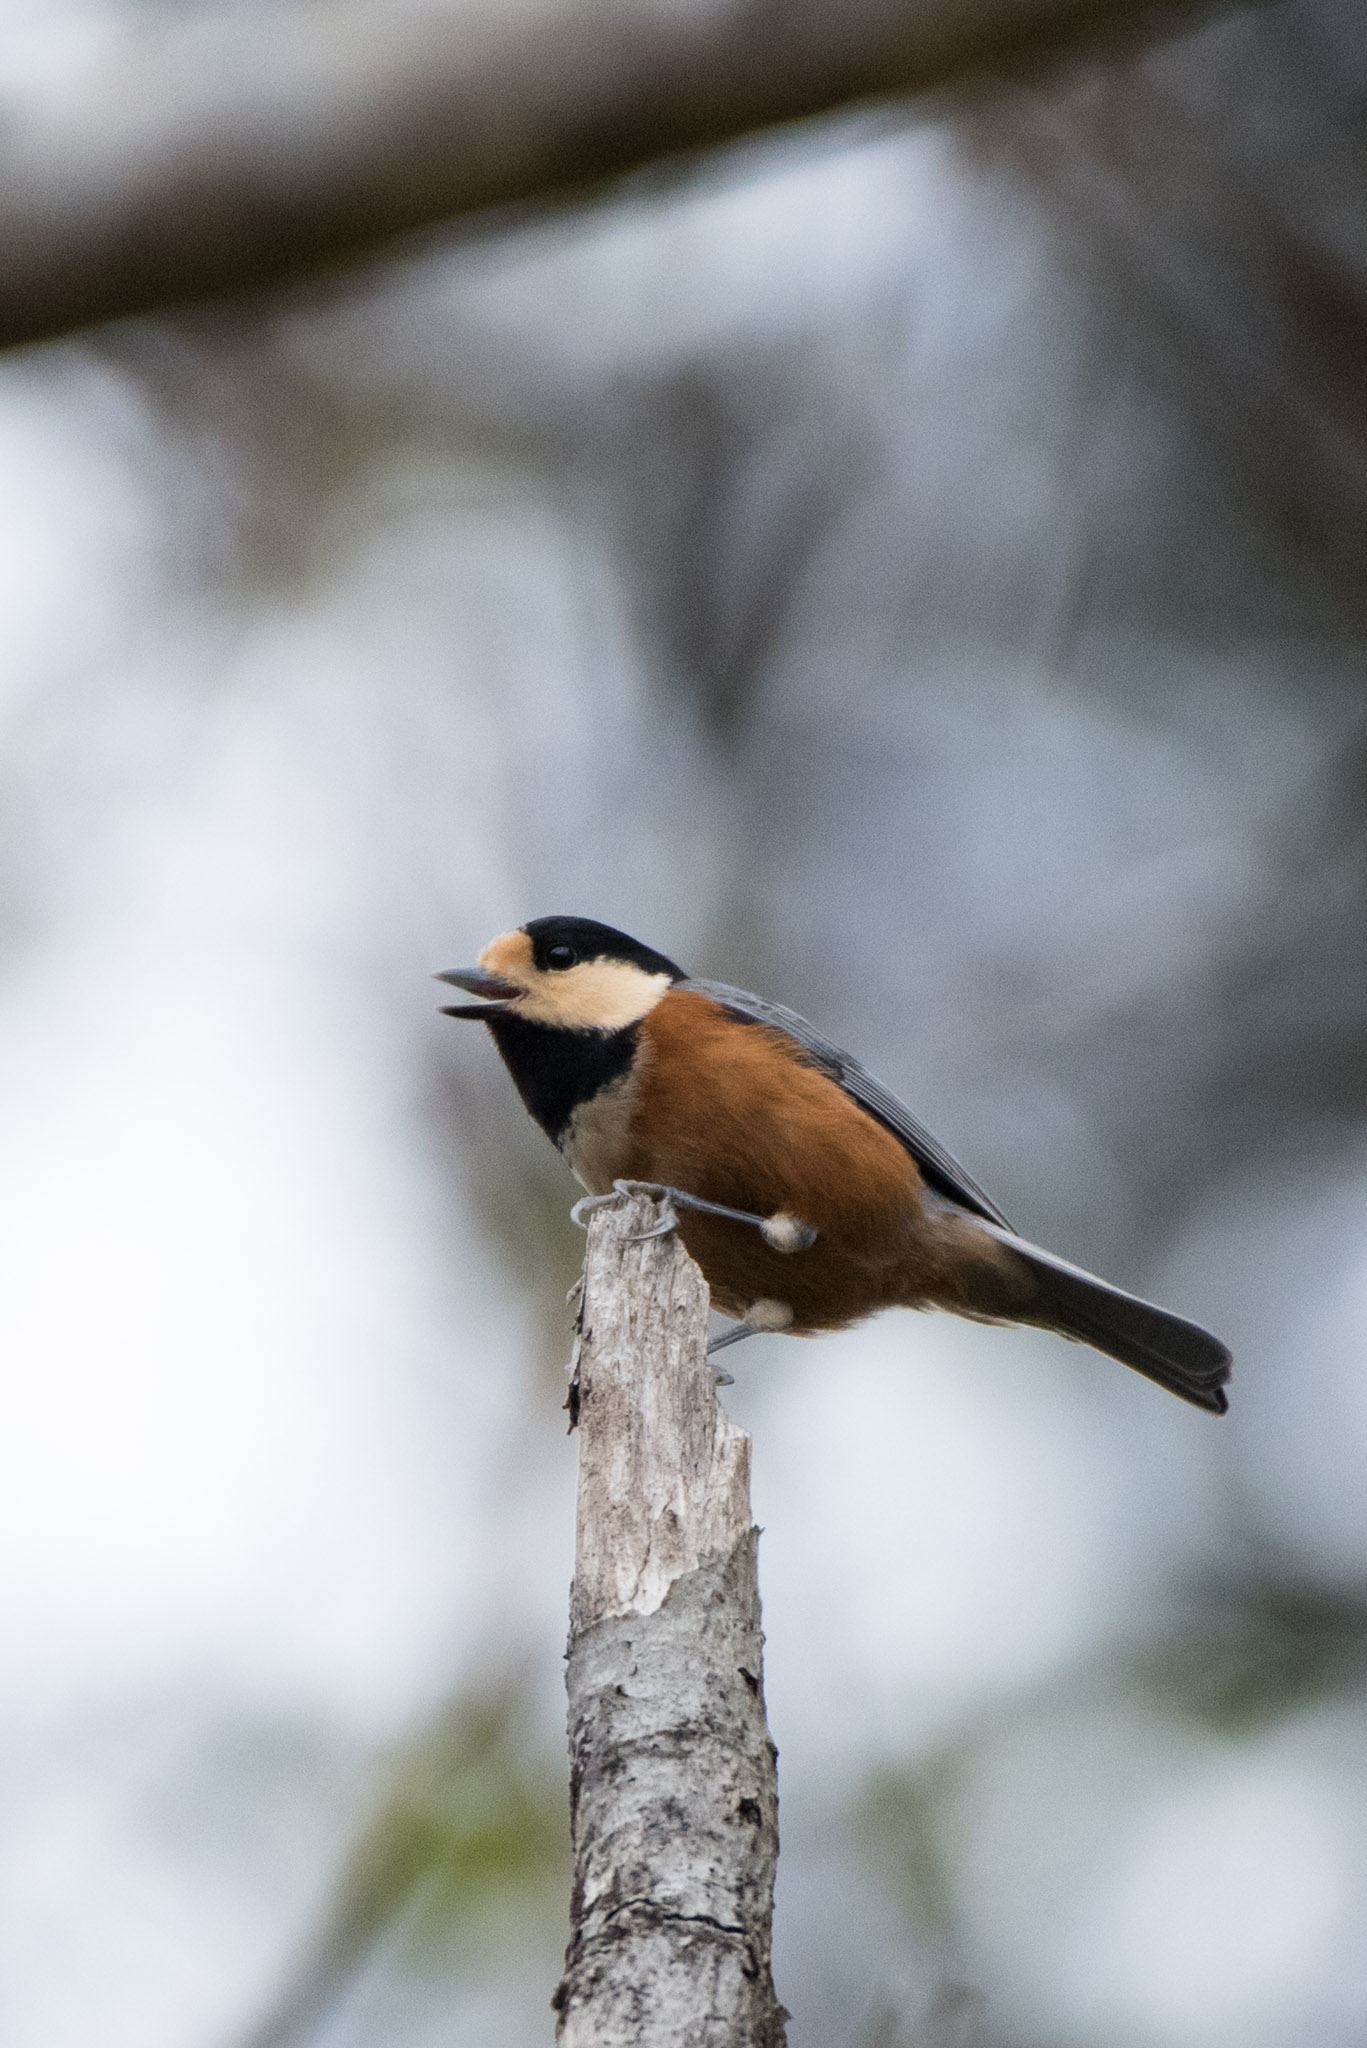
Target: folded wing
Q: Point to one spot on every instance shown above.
(939, 1168)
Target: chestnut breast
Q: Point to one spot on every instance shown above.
(733, 1111)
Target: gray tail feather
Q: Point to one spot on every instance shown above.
(1178, 1355)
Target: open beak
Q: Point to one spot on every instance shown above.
(498, 993)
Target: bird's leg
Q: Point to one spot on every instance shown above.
(760, 1316)
(785, 1233)
(736, 1335)
(721, 1377)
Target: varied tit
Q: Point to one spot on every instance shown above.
(810, 1196)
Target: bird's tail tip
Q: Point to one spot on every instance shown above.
(1166, 1348)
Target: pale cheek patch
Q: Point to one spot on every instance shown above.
(599, 995)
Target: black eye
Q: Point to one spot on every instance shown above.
(561, 956)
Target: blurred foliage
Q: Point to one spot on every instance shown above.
(1250, 1653)
(1240, 1658)
(899, 1818)
(469, 1844)
(952, 2020)
(471, 1823)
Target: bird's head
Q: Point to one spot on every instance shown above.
(569, 973)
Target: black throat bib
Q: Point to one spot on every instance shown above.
(555, 1069)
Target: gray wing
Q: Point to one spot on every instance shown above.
(939, 1168)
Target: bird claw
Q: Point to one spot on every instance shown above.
(669, 1220)
(586, 1205)
(669, 1215)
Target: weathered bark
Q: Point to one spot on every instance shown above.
(673, 1790)
(174, 160)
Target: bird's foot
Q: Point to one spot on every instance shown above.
(667, 1197)
(586, 1205)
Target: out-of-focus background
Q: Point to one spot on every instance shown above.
(912, 567)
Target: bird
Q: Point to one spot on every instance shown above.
(808, 1194)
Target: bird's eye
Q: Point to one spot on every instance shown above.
(561, 956)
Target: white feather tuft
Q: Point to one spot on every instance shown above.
(787, 1233)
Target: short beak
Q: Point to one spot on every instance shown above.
(499, 993)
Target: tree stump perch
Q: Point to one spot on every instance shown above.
(673, 1787)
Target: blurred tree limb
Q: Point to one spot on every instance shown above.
(1239, 302)
(174, 161)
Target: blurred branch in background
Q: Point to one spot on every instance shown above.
(1226, 276)
(766, 455)
(184, 161)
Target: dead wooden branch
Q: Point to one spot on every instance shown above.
(673, 1790)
